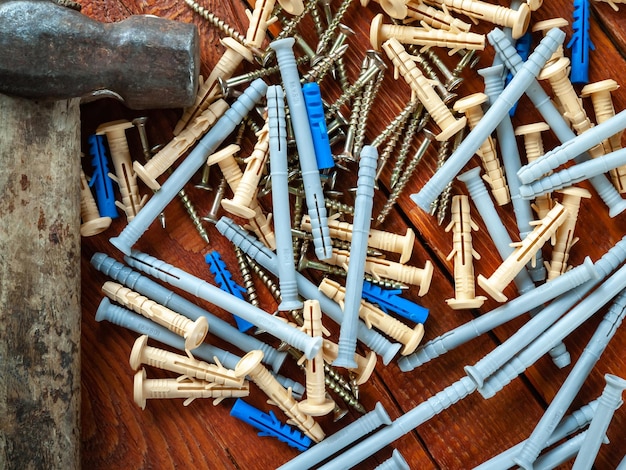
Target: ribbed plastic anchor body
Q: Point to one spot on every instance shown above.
(552, 116)
(253, 248)
(569, 425)
(527, 333)
(490, 320)
(206, 146)
(123, 317)
(609, 401)
(339, 440)
(304, 141)
(280, 199)
(570, 388)
(220, 328)
(511, 161)
(402, 425)
(474, 140)
(358, 253)
(571, 149)
(202, 289)
(555, 333)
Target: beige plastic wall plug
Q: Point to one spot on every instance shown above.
(463, 254)
(194, 332)
(523, 253)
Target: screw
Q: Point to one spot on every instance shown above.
(469, 58)
(369, 95)
(444, 197)
(452, 82)
(406, 175)
(406, 145)
(217, 22)
(248, 282)
(298, 210)
(217, 201)
(317, 21)
(288, 28)
(396, 123)
(444, 92)
(227, 85)
(338, 413)
(339, 207)
(265, 278)
(327, 11)
(332, 26)
(252, 125)
(345, 395)
(193, 214)
(394, 133)
(344, 32)
(302, 44)
(363, 79)
(333, 380)
(305, 263)
(442, 155)
(140, 124)
(204, 181)
(323, 65)
(354, 386)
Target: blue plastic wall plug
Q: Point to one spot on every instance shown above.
(580, 44)
(389, 300)
(105, 197)
(224, 281)
(317, 123)
(269, 425)
(522, 46)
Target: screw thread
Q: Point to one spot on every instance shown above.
(333, 25)
(323, 66)
(290, 26)
(217, 22)
(339, 206)
(369, 95)
(405, 147)
(248, 281)
(193, 214)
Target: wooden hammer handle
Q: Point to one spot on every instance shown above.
(40, 312)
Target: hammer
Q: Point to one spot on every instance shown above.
(51, 52)
(55, 54)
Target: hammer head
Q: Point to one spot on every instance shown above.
(51, 52)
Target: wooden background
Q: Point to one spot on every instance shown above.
(116, 433)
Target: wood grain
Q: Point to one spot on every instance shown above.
(115, 432)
